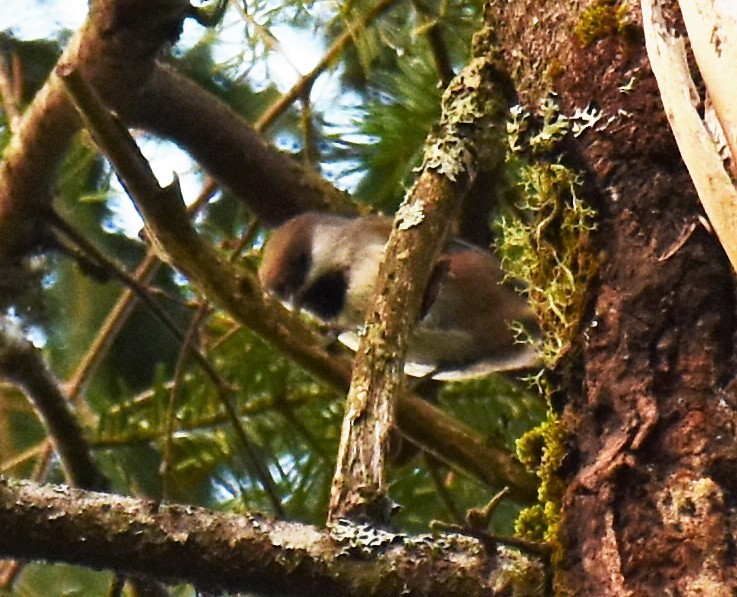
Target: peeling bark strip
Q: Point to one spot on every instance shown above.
(225, 552)
(667, 53)
(470, 140)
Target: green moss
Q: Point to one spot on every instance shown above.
(546, 242)
(602, 19)
(542, 449)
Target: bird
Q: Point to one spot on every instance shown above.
(327, 265)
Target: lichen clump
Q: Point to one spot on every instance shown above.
(546, 240)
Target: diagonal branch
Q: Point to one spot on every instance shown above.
(21, 362)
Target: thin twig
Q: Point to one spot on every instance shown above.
(310, 151)
(167, 203)
(537, 548)
(117, 272)
(123, 308)
(442, 492)
(179, 370)
(251, 409)
(346, 38)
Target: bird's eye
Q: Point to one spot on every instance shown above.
(293, 277)
(326, 297)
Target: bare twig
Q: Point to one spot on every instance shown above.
(306, 82)
(489, 539)
(9, 93)
(443, 494)
(21, 362)
(251, 409)
(142, 293)
(438, 47)
(122, 309)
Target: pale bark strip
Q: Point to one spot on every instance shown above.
(668, 60)
(713, 37)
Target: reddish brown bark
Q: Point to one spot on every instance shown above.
(652, 415)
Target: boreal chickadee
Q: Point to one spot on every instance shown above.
(327, 265)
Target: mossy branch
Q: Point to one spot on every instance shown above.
(469, 140)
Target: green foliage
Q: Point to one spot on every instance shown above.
(294, 420)
(59, 579)
(391, 132)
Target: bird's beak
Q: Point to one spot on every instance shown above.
(293, 303)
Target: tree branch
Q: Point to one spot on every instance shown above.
(22, 363)
(225, 552)
(469, 141)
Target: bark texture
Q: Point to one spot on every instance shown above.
(650, 504)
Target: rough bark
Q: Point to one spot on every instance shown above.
(650, 503)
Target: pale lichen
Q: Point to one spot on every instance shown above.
(517, 574)
(468, 138)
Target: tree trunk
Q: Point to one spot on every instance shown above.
(651, 469)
